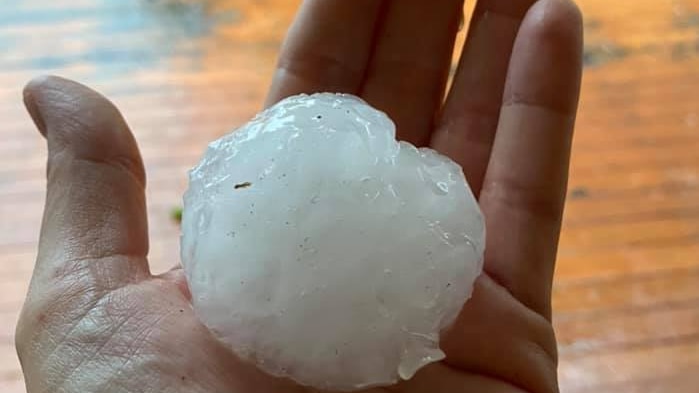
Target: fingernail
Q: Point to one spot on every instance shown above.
(34, 110)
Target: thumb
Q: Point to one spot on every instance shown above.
(94, 223)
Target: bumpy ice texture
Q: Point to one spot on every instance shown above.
(321, 249)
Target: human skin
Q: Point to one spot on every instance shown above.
(95, 318)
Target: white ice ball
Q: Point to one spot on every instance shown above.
(321, 249)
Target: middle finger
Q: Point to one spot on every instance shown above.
(408, 71)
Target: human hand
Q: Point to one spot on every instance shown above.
(95, 319)
(507, 119)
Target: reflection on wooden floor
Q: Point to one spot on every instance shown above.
(626, 295)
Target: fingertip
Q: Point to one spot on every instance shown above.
(31, 95)
(555, 20)
(75, 117)
(36, 83)
(42, 83)
(546, 65)
(58, 99)
(39, 89)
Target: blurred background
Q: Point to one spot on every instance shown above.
(626, 295)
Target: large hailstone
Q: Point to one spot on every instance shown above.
(321, 249)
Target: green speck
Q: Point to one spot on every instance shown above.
(176, 214)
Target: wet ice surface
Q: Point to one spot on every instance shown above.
(321, 249)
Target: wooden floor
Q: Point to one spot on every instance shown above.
(627, 286)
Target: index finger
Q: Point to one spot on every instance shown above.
(326, 49)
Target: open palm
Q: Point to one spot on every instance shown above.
(96, 319)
